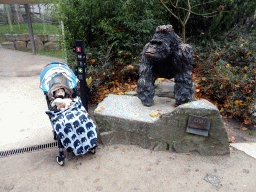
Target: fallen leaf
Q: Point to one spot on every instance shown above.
(158, 114)
(249, 53)
(135, 113)
(89, 80)
(156, 102)
(247, 121)
(244, 128)
(249, 143)
(168, 101)
(152, 115)
(187, 104)
(160, 80)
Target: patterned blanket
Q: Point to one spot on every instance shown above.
(75, 128)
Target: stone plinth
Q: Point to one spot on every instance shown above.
(124, 120)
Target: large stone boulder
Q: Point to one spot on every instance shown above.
(52, 46)
(53, 38)
(22, 37)
(43, 38)
(10, 37)
(123, 119)
(8, 45)
(38, 44)
(20, 45)
(166, 89)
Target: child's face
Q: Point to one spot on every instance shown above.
(59, 92)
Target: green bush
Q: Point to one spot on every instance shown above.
(227, 74)
(113, 32)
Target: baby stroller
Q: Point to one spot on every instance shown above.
(72, 126)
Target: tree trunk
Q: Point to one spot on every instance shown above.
(184, 33)
(7, 8)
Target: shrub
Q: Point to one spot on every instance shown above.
(225, 73)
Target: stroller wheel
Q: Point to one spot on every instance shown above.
(60, 160)
(93, 150)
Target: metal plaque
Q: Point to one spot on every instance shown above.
(198, 125)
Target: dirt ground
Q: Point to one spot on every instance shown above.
(127, 168)
(121, 167)
(131, 168)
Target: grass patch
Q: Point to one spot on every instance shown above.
(58, 54)
(38, 28)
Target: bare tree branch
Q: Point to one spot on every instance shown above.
(204, 3)
(161, 1)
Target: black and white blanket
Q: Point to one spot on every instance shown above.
(75, 128)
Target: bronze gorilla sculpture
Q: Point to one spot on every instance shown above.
(166, 56)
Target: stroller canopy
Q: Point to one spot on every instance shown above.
(57, 72)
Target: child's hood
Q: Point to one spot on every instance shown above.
(57, 86)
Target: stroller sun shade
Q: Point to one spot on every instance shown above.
(57, 72)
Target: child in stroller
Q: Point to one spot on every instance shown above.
(72, 125)
(59, 95)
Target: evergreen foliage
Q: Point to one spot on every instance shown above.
(114, 33)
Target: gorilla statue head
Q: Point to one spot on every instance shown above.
(158, 49)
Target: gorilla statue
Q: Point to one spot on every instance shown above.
(166, 56)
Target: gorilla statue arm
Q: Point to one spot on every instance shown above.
(183, 60)
(145, 87)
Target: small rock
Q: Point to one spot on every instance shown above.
(99, 188)
(97, 168)
(8, 187)
(60, 182)
(170, 158)
(96, 180)
(158, 161)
